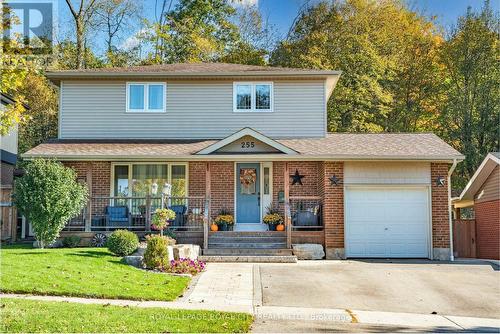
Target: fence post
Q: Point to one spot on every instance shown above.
(148, 213)
(88, 220)
(206, 220)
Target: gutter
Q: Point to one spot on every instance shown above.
(450, 171)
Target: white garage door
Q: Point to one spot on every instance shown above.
(387, 222)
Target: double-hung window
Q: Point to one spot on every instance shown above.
(253, 96)
(146, 97)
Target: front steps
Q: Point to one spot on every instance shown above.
(245, 246)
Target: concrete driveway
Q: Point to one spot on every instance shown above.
(459, 288)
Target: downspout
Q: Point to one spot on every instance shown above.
(450, 171)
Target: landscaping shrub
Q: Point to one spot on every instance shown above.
(156, 255)
(48, 195)
(122, 242)
(71, 241)
(185, 266)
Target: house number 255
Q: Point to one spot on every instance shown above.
(247, 144)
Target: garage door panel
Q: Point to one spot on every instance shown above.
(387, 222)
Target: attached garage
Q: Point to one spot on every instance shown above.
(387, 214)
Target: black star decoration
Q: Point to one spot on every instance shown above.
(334, 180)
(297, 178)
(440, 181)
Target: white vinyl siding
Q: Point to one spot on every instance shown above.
(195, 110)
(387, 173)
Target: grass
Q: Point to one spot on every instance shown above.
(41, 316)
(82, 272)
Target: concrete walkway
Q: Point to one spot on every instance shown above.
(237, 287)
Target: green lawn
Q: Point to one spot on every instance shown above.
(83, 272)
(40, 316)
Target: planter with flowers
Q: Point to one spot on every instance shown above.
(161, 219)
(273, 219)
(224, 221)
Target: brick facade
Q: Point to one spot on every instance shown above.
(440, 213)
(333, 208)
(222, 186)
(197, 178)
(315, 183)
(488, 229)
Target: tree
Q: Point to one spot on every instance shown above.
(113, 16)
(471, 115)
(388, 56)
(13, 70)
(195, 31)
(49, 196)
(257, 37)
(82, 16)
(41, 117)
(66, 54)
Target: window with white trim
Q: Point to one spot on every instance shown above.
(253, 96)
(146, 97)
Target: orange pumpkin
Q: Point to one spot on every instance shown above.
(214, 228)
(280, 227)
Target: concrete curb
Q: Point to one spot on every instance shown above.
(430, 321)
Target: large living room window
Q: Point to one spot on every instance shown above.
(253, 97)
(140, 180)
(146, 97)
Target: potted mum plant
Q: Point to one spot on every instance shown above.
(273, 219)
(224, 220)
(161, 219)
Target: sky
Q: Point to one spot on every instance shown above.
(281, 13)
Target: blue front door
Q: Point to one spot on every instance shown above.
(248, 193)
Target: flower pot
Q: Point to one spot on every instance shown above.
(214, 228)
(272, 227)
(280, 227)
(222, 227)
(230, 227)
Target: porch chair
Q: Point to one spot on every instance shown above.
(118, 216)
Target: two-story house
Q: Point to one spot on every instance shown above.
(243, 138)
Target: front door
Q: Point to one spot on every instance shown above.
(248, 193)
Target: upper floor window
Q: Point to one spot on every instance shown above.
(253, 96)
(149, 97)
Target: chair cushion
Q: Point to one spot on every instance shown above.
(118, 219)
(115, 212)
(178, 209)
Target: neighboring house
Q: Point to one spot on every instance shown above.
(482, 194)
(241, 137)
(8, 155)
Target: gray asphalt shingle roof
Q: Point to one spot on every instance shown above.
(399, 146)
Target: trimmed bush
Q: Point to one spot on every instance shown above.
(122, 242)
(156, 255)
(71, 241)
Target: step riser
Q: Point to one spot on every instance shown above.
(248, 246)
(247, 239)
(261, 252)
(233, 234)
(258, 259)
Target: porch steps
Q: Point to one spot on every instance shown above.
(249, 258)
(246, 246)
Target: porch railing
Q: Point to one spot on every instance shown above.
(109, 213)
(306, 213)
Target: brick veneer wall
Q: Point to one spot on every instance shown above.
(333, 208)
(440, 214)
(310, 181)
(101, 175)
(222, 186)
(197, 178)
(488, 229)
